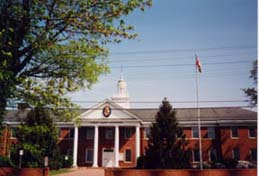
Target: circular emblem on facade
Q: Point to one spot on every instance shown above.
(107, 111)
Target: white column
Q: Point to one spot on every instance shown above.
(116, 146)
(96, 140)
(137, 142)
(75, 147)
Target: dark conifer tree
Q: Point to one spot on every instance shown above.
(166, 145)
(37, 136)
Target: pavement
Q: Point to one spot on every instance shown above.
(84, 171)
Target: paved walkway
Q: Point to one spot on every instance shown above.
(83, 171)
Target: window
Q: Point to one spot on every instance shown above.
(211, 132)
(196, 155)
(213, 155)
(13, 132)
(253, 154)
(234, 132)
(90, 133)
(195, 132)
(71, 132)
(127, 155)
(236, 154)
(252, 132)
(109, 133)
(147, 132)
(89, 155)
(128, 133)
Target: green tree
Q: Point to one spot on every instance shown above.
(37, 136)
(51, 47)
(166, 145)
(252, 92)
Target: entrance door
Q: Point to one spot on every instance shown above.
(108, 158)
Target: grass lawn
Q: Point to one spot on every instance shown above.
(60, 171)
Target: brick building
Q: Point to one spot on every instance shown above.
(111, 134)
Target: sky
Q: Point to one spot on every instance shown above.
(161, 61)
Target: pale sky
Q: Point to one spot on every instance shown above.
(160, 62)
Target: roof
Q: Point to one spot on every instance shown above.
(206, 114)
(211, 115)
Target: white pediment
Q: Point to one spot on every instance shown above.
(118, 113)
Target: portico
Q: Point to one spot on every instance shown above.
(117, 129)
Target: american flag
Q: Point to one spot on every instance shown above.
(198, 63)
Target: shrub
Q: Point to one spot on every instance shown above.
(5, 162)
(141, 162)
(67, 162)
(230, 163)
(55, 162)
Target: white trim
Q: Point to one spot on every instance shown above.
(75, 147)
(116, 108)
(96, 145)
(116, 146)
(137, 145)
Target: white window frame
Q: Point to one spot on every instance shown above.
(213, 132)
(231, 131)
(125, 156)
(109, 134)
(90, 133)
(86, 155)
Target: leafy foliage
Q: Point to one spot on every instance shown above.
(50, 48)
(166, 145)
(5, 162)
(252, 92)
(37, 136)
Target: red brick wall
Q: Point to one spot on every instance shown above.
(128, 144)
(243, 142)
(223, 143)
(6, 141)
(207, 172)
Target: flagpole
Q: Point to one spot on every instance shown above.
(198, 116)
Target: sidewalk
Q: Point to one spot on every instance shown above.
(83, 171)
